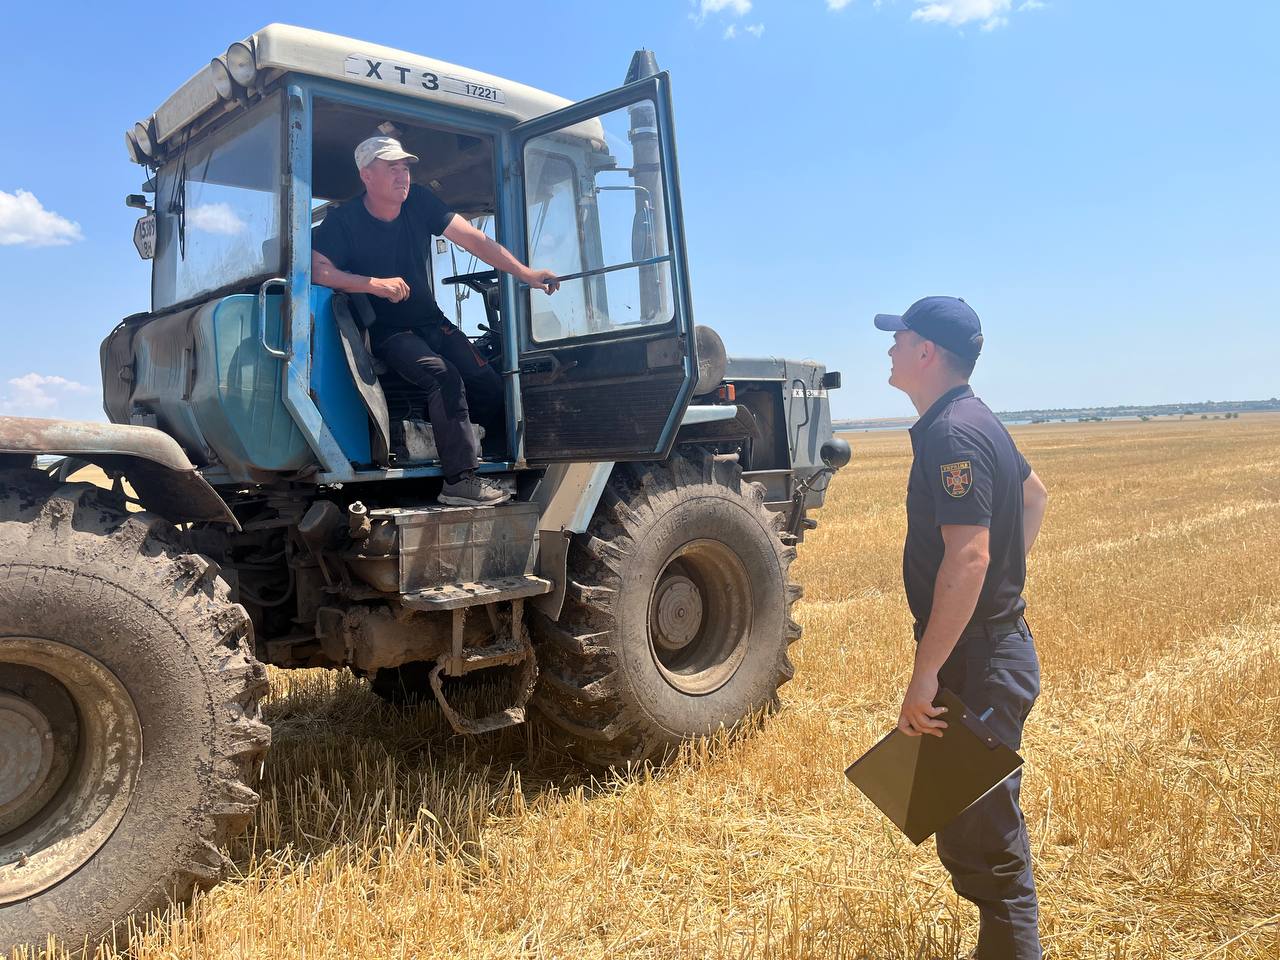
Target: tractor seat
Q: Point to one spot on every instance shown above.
(397, 407)
(405, 400)
(412, 440)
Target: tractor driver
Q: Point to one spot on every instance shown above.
(375, 245)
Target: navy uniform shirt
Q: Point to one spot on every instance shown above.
(966, 471)
(357, 242)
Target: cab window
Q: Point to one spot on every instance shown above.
(592, 206)
(218, 207)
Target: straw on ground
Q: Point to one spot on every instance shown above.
(1151, 786)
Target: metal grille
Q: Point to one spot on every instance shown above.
(605, 421)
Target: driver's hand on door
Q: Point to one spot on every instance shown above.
(389, 288)
(543, 280)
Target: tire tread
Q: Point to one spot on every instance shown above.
(581, 693)
(85, 531)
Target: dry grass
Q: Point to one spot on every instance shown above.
(1151, 788)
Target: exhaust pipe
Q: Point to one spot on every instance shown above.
(649, 228)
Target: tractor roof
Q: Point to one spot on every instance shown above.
(279, 48)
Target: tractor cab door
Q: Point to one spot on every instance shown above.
(606, 363)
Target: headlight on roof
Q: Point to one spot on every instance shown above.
(142, 137)
(241, 64)
(221, 77)
(130, 144)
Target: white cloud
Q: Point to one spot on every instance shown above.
(706, 8)
(738, 8)
(1031, 5)
(215, 218)
(838, 4)
(988, 13)
(755, 29)
(34, 394)
(731, 8)
(25, 222)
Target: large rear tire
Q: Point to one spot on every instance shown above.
(129, 719)
(677, 614)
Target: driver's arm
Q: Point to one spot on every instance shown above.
(475, 242)
(326, 274)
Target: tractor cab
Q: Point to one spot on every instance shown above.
(258, 372)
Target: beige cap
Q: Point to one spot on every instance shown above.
(381, 148)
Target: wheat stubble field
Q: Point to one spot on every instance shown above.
(1152, 785)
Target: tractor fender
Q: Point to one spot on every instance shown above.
(566, 496)
(151, 460)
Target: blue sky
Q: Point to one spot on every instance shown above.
(1099, 179)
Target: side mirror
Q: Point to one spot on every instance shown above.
(835, 452)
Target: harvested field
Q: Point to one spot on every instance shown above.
(1151, 787)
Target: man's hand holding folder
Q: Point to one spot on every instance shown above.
(919, 713)
(923, 783)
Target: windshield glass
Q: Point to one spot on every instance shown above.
(218, 210)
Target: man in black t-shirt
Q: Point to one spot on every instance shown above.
(974, 508)
(378, 244)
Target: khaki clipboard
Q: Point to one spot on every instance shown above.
(923, 783)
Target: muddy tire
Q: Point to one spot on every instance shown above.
(677, 615)
(129, 714)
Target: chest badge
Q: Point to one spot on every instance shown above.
(957, 478)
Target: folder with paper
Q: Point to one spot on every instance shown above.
(922, 783)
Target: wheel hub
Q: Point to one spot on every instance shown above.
(70, 757)
(678, 608)
(700, 616)
(26, 753)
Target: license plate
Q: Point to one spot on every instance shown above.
(144, 236)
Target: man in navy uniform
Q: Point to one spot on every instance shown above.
(974, 507)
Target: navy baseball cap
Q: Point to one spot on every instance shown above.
(947, 321)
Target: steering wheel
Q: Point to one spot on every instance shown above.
(486, 284)
(479, 282)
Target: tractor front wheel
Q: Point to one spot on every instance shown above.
(677, 614)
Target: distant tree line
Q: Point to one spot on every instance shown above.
(1206, 410)
(1094, 414)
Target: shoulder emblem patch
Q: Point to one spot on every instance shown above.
(957, 478)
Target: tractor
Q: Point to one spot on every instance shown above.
(272, 494)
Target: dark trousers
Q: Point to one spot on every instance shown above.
(459, 385)
(986, 849)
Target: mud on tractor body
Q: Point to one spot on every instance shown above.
(282, 507)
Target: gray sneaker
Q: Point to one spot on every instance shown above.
(472, 491)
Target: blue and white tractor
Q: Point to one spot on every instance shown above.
(274, 497)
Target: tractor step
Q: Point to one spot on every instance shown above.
(510, 717)
(479, 658)
(502, 651)
(452, 596)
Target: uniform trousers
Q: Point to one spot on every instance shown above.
(986, 849)
(460, 387)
